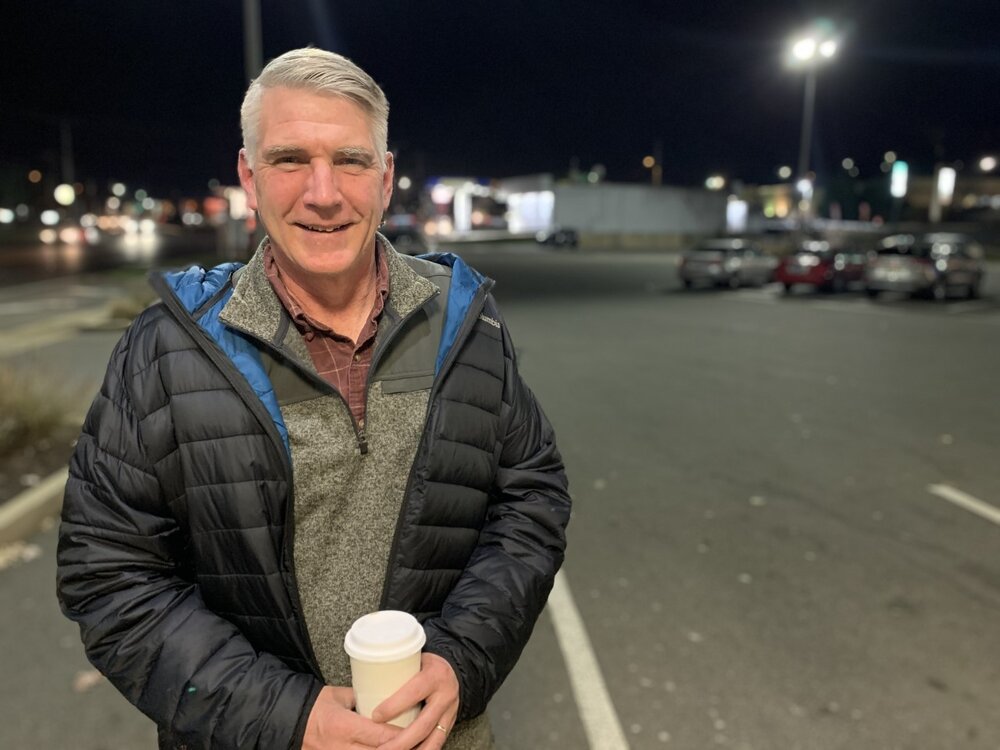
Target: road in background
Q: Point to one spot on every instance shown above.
(756, 552)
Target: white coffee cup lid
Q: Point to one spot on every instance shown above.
(384, 636)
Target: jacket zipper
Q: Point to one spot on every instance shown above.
(470, 320)
(377, 355)
(257, 408)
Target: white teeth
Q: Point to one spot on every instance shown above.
(327, 230)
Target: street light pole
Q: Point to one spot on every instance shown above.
(808, 110)
(807, 53)
(252, 45)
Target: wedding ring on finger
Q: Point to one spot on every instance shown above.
(441, 729)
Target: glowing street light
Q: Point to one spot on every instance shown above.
(808, 52)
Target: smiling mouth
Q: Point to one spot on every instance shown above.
(321, 229)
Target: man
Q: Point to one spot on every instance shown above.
(281, 447)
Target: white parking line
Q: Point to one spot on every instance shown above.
(966, 501)
(600, 722)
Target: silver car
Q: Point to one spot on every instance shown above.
(938, 265)
(727, 263)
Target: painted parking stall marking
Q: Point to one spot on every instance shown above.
(966, 501)
(600, 722)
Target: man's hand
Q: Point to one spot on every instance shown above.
(437, 686)
(333, 725)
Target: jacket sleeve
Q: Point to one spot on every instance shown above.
(142, 620)
(489, 615)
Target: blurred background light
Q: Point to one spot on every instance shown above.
(64, 194)
(946, 185)
(784, 172)
(847, 163)
(70, 235)
(118, 189)
(442, 194)
(34, 176)
(900, 175)
(6, 216)
(404, 183)
(988, 163)
(49, 218)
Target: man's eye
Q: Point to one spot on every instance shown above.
(288, 160)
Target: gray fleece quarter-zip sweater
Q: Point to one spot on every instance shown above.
(349, 479)
(225, 519)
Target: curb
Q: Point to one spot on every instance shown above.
(22, 515)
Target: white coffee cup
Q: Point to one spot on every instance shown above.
(385, 653)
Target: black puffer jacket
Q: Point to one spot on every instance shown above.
(184, 586)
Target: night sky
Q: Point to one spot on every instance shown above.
(494, 89)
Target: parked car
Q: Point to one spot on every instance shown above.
(819, 264)
(407, 239)
(937, 265)
(726, 262)
(558, 237)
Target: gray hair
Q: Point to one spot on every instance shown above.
(322, 72)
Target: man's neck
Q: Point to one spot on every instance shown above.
(341, 302)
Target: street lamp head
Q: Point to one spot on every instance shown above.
(817, 45)
(804, 49)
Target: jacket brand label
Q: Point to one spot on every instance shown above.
(492, 321)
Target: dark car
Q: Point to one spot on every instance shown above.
(725, 262)
(938, 265)
(822, 266)
(407, 239)
(558, 237)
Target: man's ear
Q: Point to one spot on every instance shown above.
(246, 178)
(388, 179)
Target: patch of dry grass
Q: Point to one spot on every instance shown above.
(30, 409)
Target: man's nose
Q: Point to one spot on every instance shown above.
(323, 187)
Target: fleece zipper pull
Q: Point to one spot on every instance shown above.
(362, 438)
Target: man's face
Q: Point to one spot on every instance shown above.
(316, 183)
